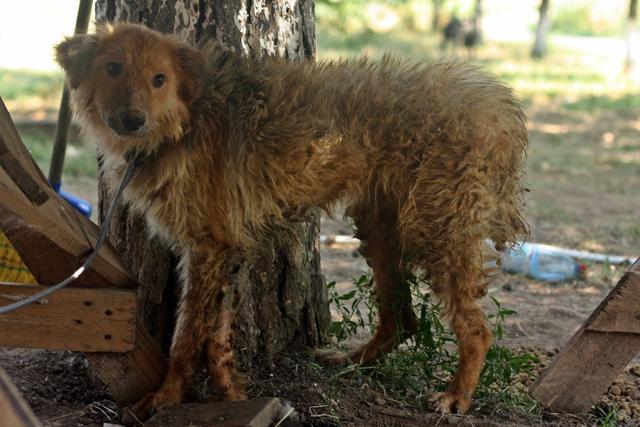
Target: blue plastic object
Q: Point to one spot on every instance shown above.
(540, 262)
(79, 204)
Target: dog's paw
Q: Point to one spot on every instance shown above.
(450, 403)
(147, 406)
(331, 357)
(234, 394)
(140, 412)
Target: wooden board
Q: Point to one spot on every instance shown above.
(49, 234)
(596, 354)
(52, 239)
(79, 319)
(262, 412)
(130, 376)
(14, 412)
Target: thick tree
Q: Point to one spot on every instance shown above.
(284, 303)
(540, 43)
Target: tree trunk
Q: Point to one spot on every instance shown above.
(540, 43)
(477, 21)
(631, 35)
(436, 8)
(285, 302)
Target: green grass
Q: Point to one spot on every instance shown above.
(576, 19)
(80, 159)
(428, 360)
(16, 84)
(563, 74)
(599, 103)
(605, 417)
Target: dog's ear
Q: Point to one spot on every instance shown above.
(191, 64)
(75, 55)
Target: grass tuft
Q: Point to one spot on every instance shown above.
(427, 361)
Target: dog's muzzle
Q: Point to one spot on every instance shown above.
(128, 122)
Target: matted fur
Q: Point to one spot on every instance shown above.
(426, 157)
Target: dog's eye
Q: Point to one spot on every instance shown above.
(114, 69)
(158, 80)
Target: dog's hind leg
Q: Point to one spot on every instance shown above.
(458, 290)
(397, 320)
(203, 280)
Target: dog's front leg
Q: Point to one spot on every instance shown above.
(199, 311)
(220, 357)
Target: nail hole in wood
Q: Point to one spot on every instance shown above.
(108, 312)
(78, 321)
(87, 303)
(107, 337)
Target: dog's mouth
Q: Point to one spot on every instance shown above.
(128, 123)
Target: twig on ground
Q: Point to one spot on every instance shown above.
(287, 415)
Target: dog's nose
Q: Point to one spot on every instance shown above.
(132, 120)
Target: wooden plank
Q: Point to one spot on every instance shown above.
(597, 352)
(78, 319)
(261, 412)
(622, 312)
(38, 222)
(14, 412)
(130, 376)
(52, 239)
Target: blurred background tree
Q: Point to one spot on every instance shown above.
(631, 35)
(540, 42)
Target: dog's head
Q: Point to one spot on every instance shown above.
(132, 85)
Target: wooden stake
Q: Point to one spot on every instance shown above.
(14, 412)
(596, 354)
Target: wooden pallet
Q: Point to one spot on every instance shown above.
(97, 315)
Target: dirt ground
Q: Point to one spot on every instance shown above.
(582, 196)
(62, 391)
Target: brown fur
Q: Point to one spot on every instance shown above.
(427, 158)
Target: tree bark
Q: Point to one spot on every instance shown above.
(284, 298)
(631, 35)
(540, 43)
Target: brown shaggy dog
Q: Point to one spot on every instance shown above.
(427, 159)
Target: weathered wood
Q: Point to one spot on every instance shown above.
(598, 351)
(50, 236)
(78, 319)
(14, 412)
(130, 376)
(250, 413)
(284, 305)
(52, 239)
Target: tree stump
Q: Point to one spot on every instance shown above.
(285, 304)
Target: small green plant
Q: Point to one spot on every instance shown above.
(502, 364)
(428, 359)
(350, 307)
(605, 417)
